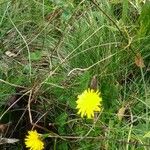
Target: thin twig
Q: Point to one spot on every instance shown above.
(39, 119)
(96, 138)
(85, 69)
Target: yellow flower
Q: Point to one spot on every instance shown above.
(33, 141)
(89, 102)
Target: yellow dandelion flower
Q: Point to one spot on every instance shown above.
(89, 102)
(33, 141)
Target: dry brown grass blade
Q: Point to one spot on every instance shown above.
(94, 83)
(4, 127)
(121, 112)
(139, 60)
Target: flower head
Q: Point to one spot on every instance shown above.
(33, 141)
(89, 102)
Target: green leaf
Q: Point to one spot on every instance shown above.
(145, 20)
(147, 135)
(72, 103)
(61, 119)
(63, 146)
(35, 56)
(4, 68)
